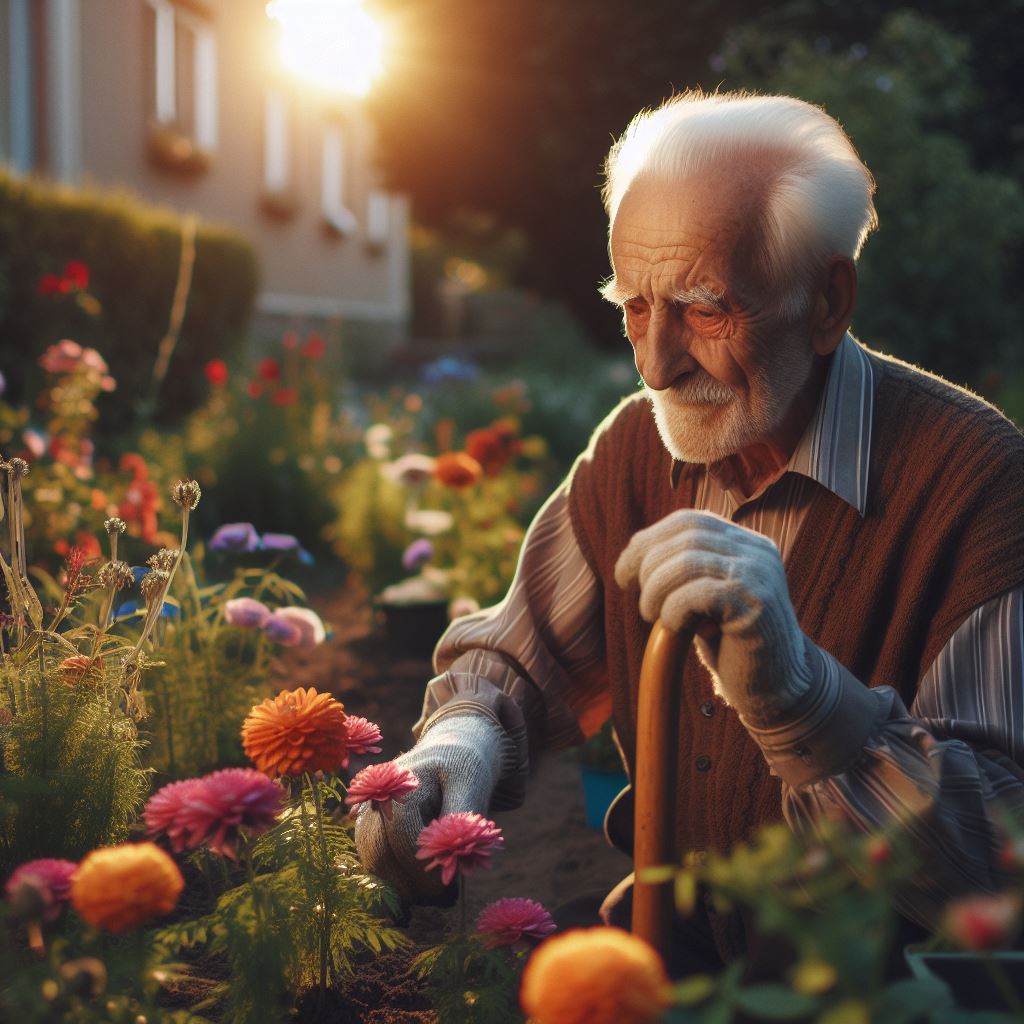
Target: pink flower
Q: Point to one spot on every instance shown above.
(379, 784)
(462, 841)
(62, 357)
(361, 737)
(507, 921)
(215, 809)
(41, 885)
(246, 613)
(227, 804)
(164, 811)
(983, 921)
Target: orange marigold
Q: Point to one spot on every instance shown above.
(117, 888)
(457, 469)
(297, 731)
(595, 976)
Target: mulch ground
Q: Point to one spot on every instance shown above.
(550, 853)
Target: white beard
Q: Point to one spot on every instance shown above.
(701, 420)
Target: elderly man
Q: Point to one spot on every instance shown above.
(844, 532)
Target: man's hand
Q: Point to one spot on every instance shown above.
(700, 572)
(457, 761)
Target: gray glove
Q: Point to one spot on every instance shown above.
(458, 762)
(699, 571)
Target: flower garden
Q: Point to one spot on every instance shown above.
(178, 786)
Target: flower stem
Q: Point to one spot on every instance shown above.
(325, 899)
(462, 903)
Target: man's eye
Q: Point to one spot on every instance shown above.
(704, 312)
(636, 308)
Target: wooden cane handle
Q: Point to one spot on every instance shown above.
(654, 782)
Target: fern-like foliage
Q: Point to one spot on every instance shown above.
(71, 776)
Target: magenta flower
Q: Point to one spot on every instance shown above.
(462, 842)
(295, 627)
(361, 737)
(44, 884)
(214, 810)
(379, 784)
(507, 921)
(164, 812)
(227, 804)
(246, 613)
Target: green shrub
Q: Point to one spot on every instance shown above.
(132, 253)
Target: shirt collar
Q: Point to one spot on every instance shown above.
(835, 449)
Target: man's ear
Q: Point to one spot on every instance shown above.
(833, 305)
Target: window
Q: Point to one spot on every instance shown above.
(336, 214)
(182, 74)
(378, 218)
(21, 87)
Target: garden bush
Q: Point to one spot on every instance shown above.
(123, 259)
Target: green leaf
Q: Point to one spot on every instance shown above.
(774, 1002)
(908, 999)
(656, 875)
(694, 989)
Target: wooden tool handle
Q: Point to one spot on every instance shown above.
(655, 780)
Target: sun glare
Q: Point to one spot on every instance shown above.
(333, 44)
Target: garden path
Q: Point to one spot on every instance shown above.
(550, 853)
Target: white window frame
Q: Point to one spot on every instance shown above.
(333, 208)
(378, 218)
(168, 17)
(277, 157)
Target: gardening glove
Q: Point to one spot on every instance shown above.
(700, 572)
(458, 761)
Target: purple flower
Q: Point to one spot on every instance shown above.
(295, 627)
(235, 537)
(285, 542)
(418, 552)
(246, 613)
(41, 885)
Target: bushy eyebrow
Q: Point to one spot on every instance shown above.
(613, 292)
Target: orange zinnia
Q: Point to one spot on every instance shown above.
(297, 731)
(595, 976)
(457, 469)
(117, 888)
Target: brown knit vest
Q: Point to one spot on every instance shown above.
(943, 533)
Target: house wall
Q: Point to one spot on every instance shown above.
(306, 270)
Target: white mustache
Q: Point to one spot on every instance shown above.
(700, 388)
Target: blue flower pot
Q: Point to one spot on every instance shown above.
(600, 788)
(968, 977)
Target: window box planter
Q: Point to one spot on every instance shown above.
(971, 977)
(172, 150)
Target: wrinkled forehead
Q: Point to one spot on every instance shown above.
(660, 216)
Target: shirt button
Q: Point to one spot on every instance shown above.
(703, 763)
(707, 708)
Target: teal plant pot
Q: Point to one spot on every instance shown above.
(600, 788)
(969, 977)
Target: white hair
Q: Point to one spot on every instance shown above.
(817, 193)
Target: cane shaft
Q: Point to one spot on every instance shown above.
(654, 783)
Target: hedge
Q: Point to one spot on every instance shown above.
(133, 253)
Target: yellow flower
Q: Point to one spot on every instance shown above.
(297, 731)
(595, 976)
(117, 888)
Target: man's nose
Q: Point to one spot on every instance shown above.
(664, 354)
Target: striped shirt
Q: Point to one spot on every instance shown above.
(948, 766)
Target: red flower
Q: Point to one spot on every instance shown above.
(284, 396)
(268, 369)
(315, 347)
(76, 273)
(379, 784)
(457, 469)
(879, 850)
(494, 446)
(507, 921)
(462, 841)
(361, 737)
(254, 389)
(216, 372)
(983, 921)
(49, 284)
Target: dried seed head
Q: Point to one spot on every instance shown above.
(16, 467)
(186, 493)
(115, 525)
(153, 584)
(117, 575)
(164, 559)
